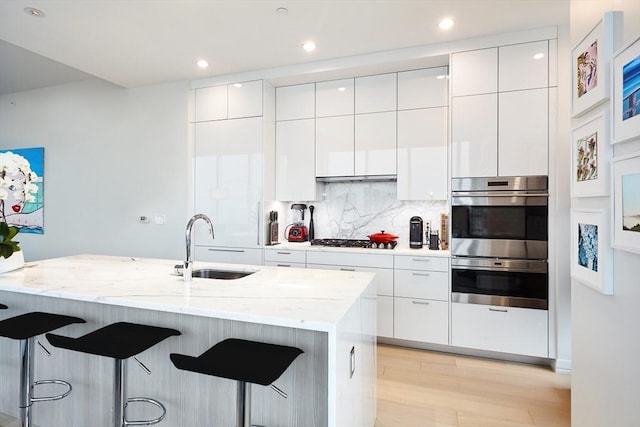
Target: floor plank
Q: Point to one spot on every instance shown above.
(431, 389)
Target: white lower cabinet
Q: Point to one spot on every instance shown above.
(421, 320)
(285, 258)
(503, 329)
(228, 255)
(385, 316)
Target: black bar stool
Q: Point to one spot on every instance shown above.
(3, 307)
(25, 328)
(120, 341)
(243, 361)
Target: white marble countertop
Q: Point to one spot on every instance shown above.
(398, 250)
(299, 298)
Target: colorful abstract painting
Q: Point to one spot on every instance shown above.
(631, 202)
(631, 89)
(587, 158)
(587, 69)
(28, 215)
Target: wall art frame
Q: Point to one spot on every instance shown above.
(626, 202)
(626, 93)
(591, 63)
(590, 157)
(591, 254)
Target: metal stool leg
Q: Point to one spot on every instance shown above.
(26, 380)
(119, 387)
(243, 405)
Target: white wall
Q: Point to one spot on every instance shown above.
(606, 344)
(111, 154)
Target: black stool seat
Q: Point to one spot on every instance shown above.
(119, 340)
(35, 323)
(241, 360)
(2, 306)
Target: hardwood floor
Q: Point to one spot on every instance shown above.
(419, 388)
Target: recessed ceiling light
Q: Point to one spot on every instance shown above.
(282, 11)
(237, 85)
(446, 23)
(342, 89)
(32, 11)
(309, 46)
(538, 56)
(441, 76)
(202, 64)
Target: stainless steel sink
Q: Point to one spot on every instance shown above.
(209, 273)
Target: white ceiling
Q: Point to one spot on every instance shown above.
(139, 42)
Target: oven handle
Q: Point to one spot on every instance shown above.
(499, 265)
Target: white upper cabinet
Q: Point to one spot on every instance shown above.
(335, 146)
(423, 88)
(245, 99)
(335, 98)
(474, 135)
(295, 102)
(422, 154)
(523, 133)
(474, 72)
(211, 103)
(375, 144)
(233, 101)
(295, 162)
(523, 66)
(374, 94)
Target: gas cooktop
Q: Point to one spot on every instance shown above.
(353, 243)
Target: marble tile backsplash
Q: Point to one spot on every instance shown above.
(353, 210)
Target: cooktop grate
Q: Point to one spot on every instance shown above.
(353, 243)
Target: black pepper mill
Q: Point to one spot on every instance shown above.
(312, 230)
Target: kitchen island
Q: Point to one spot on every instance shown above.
(330, 315)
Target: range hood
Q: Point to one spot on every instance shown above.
(357, 178)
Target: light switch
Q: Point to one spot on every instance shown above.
(159, 219)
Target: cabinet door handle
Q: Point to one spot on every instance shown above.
(284, 253)
(499, 310)
(421, 274)
(241, 251)
(283, 265)
(347, 269)
(420, 259)
(420, 302)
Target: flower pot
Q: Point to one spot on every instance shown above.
(14, 262)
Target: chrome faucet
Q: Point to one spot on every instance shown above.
(188, 263)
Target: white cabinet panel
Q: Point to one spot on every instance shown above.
(376, 93)
(375, 144)
(335, 146)
(349, 259)
(474, 136)
(295, 102)
(421, 284)
(523, 66)
(211, 103)
(504, 329)
(408, 262)
(422, 154)
(474, 72)
(228, 255)
(523, 146)
(385, 316)
(295, 160)
(383, 279)
(245, 99)
(423, 88)
(285, 255)
(421, 320)
(335, 98)
(228, 180)
(285, 264)
(553, 62)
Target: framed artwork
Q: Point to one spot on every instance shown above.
(591, 62)
(591, 258)
(590, 155)
(23, 206)
(626, 93)
(626, 202)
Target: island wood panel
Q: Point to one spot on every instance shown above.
(191, 399)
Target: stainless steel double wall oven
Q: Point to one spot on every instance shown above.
(499, 235)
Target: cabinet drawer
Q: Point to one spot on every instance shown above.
(285, 264)
(284, 255)
(422, 284)
(421, 320)
(350, 259)
(385, 316)
(504, 329)
(228, 255)
(421, 263)
(383, 279)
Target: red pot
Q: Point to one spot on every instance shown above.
(382, 237)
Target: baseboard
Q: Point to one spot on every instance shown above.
(562, 366)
